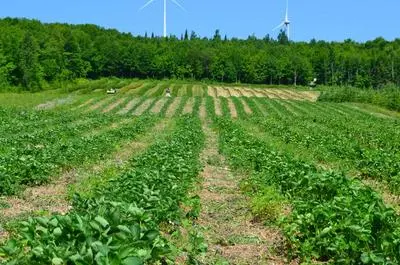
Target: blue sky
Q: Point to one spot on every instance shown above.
(333, 20)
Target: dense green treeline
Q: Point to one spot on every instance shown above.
(33, 54)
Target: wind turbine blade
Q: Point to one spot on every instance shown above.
(279, 26)
(176, 3)
(145, 5)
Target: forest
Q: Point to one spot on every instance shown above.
(34, 55)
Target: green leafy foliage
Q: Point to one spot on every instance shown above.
(119, 224)
(32, 155)
(352, 138)
(102, 232)
(334, 219)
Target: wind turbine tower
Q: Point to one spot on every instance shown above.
(165, 12)
(286, 22)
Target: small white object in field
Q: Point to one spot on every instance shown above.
(111, 91)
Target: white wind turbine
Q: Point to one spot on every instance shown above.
(286, 22)
(165, 12)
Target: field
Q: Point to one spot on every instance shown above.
(212, 175)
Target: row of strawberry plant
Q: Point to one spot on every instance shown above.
(34, 156)
(334, 219)
(362, 144)
(120, 224)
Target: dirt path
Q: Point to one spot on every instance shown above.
(310, 95)
(84, 104)
(234, 92)
(158, 106)
(294, 94)
(222, 92)
(232, 108)
(151, 91)
(143, 107)
(129, 106)
(211, 92)
(218, 109)
(246, 107)
(230, 231)
(247, 92)
(53, 197)
(203, 110)
(188, 106)
(173, 107)
(99, 104)
(114, 105)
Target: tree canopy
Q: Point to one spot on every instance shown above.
(33, 54)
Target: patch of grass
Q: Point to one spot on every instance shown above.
(214, 160)
(243, 240)
(268, 205)
(4, 205)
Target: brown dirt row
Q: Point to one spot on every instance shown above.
(189, 106)
(265, 94)
(203, 111)
(211, 92)
(218, 109)
(240, 91)
(129, 106)
(232, 108)
(234, 92)
(276, 93)
(143, 107)
(247, 92)
(294, 94)
(310, 95)
(114, 105)
(245, 106)
(173, 107)
(222, 92)
(229, 228)
(151, 91)
(87, 102)
(158, 106)
(99, 104)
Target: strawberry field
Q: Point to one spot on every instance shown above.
(141, 175)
